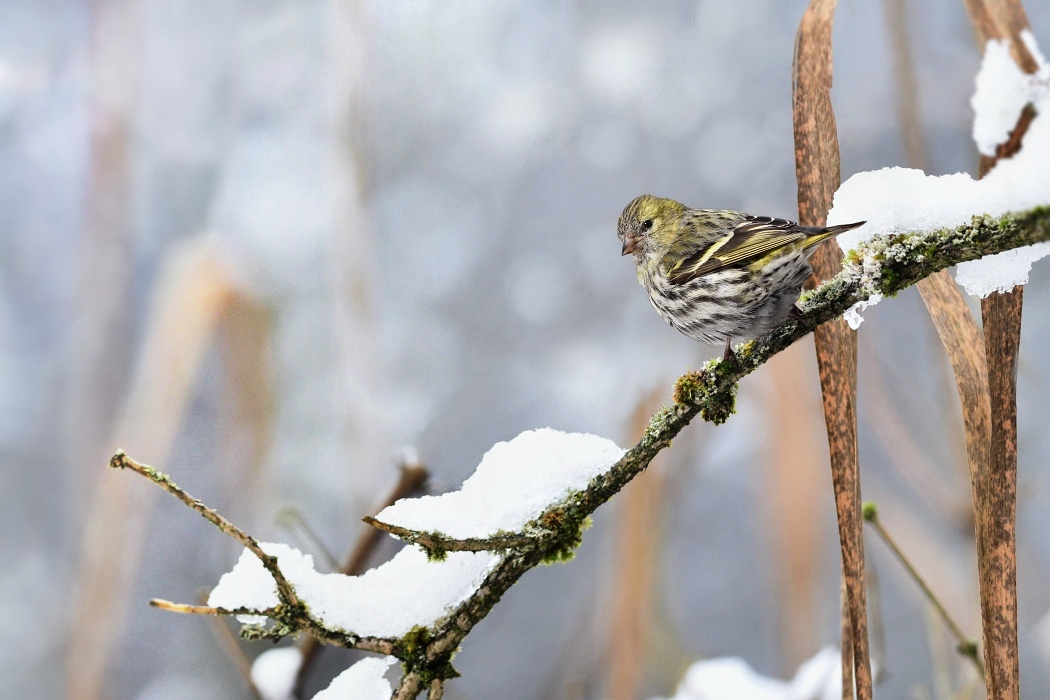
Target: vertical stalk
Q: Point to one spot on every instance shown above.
(817, 172)
(998, 514)
(995, 494)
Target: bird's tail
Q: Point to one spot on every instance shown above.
(820, 234)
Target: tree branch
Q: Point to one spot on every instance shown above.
(885, 265)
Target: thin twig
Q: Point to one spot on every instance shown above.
(437, 542)
(966, 646)
(207, 609)
(285, 590)
(437, 689)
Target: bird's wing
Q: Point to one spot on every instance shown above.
(748, 240)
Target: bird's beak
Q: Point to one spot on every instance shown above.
(631, 244)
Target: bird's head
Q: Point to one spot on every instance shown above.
(648, 226)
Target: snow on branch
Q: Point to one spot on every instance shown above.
(544, 485)
(896, 200)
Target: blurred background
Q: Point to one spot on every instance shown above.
(268, 245)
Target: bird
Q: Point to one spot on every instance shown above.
(717, 275)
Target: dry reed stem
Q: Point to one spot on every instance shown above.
(998, 514)
(193, 292)
(101, 329)
(817, 173)
(945, 303)
(846, 644)
(995, 501)
(100, 337)
(907, 84)
(638, 540)
(245, 339)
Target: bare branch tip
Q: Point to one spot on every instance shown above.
(119, 460)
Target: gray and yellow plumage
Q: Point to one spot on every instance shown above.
(718, 275)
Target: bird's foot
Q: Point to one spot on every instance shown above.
(797, 313)
(728, 355)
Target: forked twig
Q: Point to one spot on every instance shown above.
(285, 590)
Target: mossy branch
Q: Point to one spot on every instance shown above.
(885, 266)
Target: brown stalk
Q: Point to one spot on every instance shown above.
(995, 495)
(964, 343)
(817, 172)
(944, 301)
(100, 330)
(412, 481)
(998, 514)
(638, 539)
(956, 327)
(846, 644)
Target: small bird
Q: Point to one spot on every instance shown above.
(716, 274)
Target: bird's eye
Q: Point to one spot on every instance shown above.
(647, 224)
